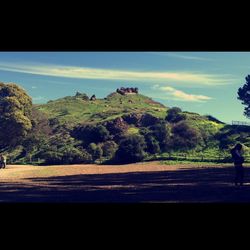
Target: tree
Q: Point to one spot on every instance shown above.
(72, 155)
(185, 137)
(153, 146)
(244, 96)
(90, 133)
(175, 115)
(131, 149)
(62, 149)
(15, 114)
(109, 148)
(95, 151)
(162, 134)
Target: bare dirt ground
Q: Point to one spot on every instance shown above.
(132, 183)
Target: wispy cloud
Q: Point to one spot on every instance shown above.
(171, 93)
(182, 56)
(114, 74)
(39, 98)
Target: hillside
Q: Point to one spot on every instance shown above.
(79, 109)
(124, 126)
(205, 123)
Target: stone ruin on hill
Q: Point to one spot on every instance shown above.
(85, 97)
(82, 96)
(126, 91)
(93, 98)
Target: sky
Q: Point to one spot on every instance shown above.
(201, 82)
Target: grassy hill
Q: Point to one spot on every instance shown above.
(75, 109)
(80, 109)
(160, 130)
(207, 123)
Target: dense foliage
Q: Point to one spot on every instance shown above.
(244, 96)
(119, 128)
(131, 149)
(175, 115)
(15, 114)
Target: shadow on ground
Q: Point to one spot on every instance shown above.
(185, 185)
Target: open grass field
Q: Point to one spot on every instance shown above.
(132, 183)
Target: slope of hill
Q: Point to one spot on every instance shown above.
(205, 123)
(75, 109)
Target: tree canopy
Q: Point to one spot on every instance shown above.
(244, 96)
(131, 149)
(175, 115)
(185, 136)
(15, 113)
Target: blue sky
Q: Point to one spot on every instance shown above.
(202, 82)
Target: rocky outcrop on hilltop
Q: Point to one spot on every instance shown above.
(93, 98)
(82, 96)
(125, 91)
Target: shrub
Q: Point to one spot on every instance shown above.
(95, 151)
(175, 115)
(89, 133)
(162, 133)
(75, 155)
(109, 148)
(185, 136)
(149, 120)
(52, 157)
(131, 149)
(153, 146)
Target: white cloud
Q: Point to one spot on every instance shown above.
(33, 87)
(38, 98)
(168, 92)
(181, 56)
(194, 78)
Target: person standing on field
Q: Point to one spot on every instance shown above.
(1, 161)
(238, 159)
(4, 160)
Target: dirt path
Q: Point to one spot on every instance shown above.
(13, 172)
(141, 182)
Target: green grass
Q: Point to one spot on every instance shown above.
(203, 123)
(133, 131)
(194, 164)
(75, 110)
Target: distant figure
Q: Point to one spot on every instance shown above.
(4, 160)
(1, 161)
(238, 159)
(93, 98)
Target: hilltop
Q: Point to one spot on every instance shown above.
(82, 109)
(126, 104)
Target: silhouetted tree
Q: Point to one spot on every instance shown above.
(244, 96)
